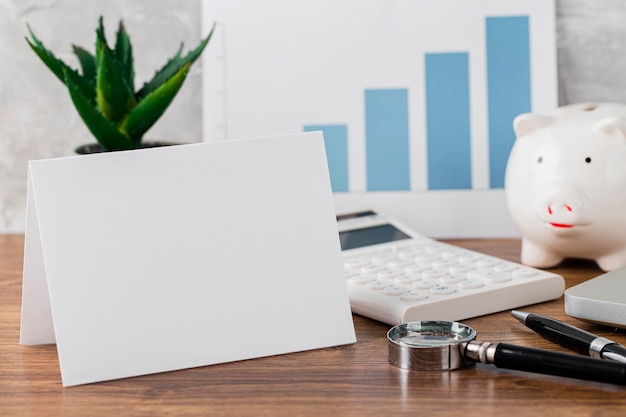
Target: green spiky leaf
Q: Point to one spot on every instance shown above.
(124, 54)
(105, 132)
(114, 96)
(172, 66)
(52, 62)
(87, 63)
(101, 40)
(59, 68)
(162, 74)
(148, 110)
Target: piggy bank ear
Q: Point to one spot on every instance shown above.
(612, 126)
(527, 123)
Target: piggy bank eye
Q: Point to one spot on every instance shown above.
(540, 159)
(588, 160)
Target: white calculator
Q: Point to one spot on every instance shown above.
(396, 275)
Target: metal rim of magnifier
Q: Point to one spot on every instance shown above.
(429, 345)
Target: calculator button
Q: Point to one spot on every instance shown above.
(452, 278)
(377, 285)
(524, 273)
(349, 277)
(434, 273)
(413, 296)
(442, 290)
(425, 284)
(395, 290)
(434, 248)
(382, 258)
(504, 267)
(409, 253)
(426, 257)
(470, 257)
(469, 284)
(355, 263)
(463, 267)
(388, 274)
(452, 253)
(415, 268)
(406, 279)
(487, 263)
(490, 275)
(361, 279)
(499, 277)
(371, 269)
(444, 263)
(400, 263)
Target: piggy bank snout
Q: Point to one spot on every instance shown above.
(564, 206)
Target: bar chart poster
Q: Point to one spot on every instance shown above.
(416, 98)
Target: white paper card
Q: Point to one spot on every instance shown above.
(160, 259)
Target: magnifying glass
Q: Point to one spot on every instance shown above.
(447, 345)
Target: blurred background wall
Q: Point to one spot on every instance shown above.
(38, 120)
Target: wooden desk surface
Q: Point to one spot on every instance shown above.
(347, 380)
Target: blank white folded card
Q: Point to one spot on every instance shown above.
(169, 258)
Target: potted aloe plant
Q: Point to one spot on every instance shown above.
(104, 94)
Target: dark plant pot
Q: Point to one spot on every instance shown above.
(97, 148)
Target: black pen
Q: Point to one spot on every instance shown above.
(572, 337)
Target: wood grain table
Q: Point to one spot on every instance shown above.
(348, 380)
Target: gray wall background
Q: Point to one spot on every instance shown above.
(38, 120)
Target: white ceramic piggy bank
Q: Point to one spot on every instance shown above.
(566, 185)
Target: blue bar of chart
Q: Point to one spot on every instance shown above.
(387, 139)
(508, 85)
(336, 143)
(448, 117)
(448, 121)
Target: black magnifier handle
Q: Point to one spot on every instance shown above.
(546, 362)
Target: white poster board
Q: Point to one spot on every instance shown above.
(442, 78)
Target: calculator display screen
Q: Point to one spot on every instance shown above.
(374, 235)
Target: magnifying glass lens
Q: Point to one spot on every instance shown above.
(429, 345)
(426, 339)
(431, 333)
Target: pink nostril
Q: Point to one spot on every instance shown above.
(567, 207)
